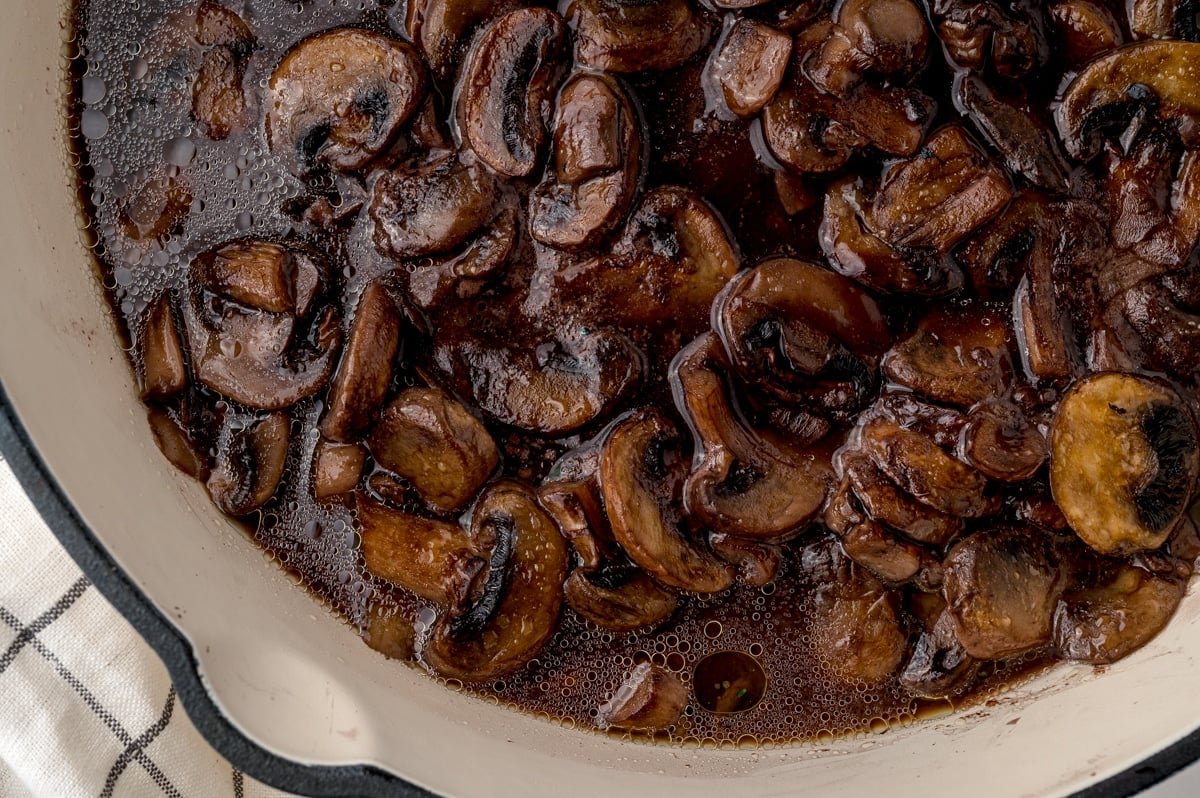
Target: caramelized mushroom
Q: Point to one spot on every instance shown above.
(1087, 29)
(641, 474)
(1040, 320)
(635, 36)
(389, 630)
(1123, 461)
(651, 699)
(1003, 443)
(747, 66)
(1002, 587)
(939, 666)
(251, 454)
(337, 100)
(362, 380)
(758, 564)
(887, 504)
(337, 468)
(509, 79)
(435, 443)
(620, 598)
(1163, 19)
(156, 209)
(163, 370)
(466, 271)
(259, 329)
(176, 444)
(442, 30)
(744, 482)
(515, 606)
(218, 100)
(891, 35)
(977, 35)
(1167, 325)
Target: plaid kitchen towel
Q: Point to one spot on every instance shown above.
(86, 708)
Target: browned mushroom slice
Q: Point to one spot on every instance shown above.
(633, 36)
(1163, 19)
(787, 323)
(251, 455)
(1161, 227)
(1024, 141)
(362, 380)
(747, 66)
(620, 598)
(758, 564)
(1002, 587)
(218, 100)
(176, 444)
(434, 206)
(935, 199)
(217, 25)
(1168, 329)
(507, 86)
(891, 35)
(1087, 29)
(556, 387)
(641, 475)
(337, 468)
(976, 35)
(857, 252)
(389, 630)
(939, 666)
(338, 99)
(926, 471)
(883, 553)
(958, 355)
(1103, 623)
(1123, 461)
(891, 119)
(835, 66)
(597, 163)
(442, 30)
(1109, 90)
(744, 482)
(1040, 321)
(651, 699)
(466, 271)
(258, 330)
(515, 606)
(435, 560)
(889, 505)
(156, 209)
(1003, 443)
(435, 443)
(163, 370)
(803, 136)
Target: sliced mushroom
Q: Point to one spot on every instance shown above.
(935, 199)
(799, 330)
(1108, 91)
(507, 86)
(641, 476)
(975, 35)
(744, 482)
(855, 251)
(959, 355)
(597, 164)
(163, 371)
(436, 444)
(747, 66)
(1123, 461)
(1087, 29)
(465, 272)
(1163, 19)
(1003, 443)
(758, 564)
(1040, 322)
(515, 611)
(619, 598)
(939, 666)
(337, 468)
(218, 100)
(1002, 587)
(434, 560)
(389, 630)
(1160, 227)
(1106, 622)
(176, 444)
(442, 30)
(634, 36)
(365, 374)
(338, 99)
(803, 136)
(651, 699)
(259, 329)
(891, 35)
(1167, 329)
(926, 471)
(249, 465)
(889, 505)
(883, 553)
(156, 209)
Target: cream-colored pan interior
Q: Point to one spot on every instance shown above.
(297, 683)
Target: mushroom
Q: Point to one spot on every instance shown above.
(163, 371)
(466, 271)
(744, 482)
(157, 209)
(635, 36)
(506, 88)
(1123, 461)
(641, 475)
(338, 99)
(1166, 324)
(258, 326)
(597, 164)
(889, 505)
(389, 630)
(887, 556)
(958, 355)
(176, 444)
(1002, 587)
(977, 35)
(1163, 19)
(218, 100)
(1106, 94)
(939, 666)
(1003, 443)
(651, 699)
(620, 598)
(1040, 320)
(514, 607)
(362, 381)
(337, 468)
(747, 66)
(856, 251)
(1118, 613)
(891, 36)
(435, 443)
(1087, 29)
(442, 30)
(251, 454)
(1159, 226)
(553, 388)
(758, 564)
(803, 333)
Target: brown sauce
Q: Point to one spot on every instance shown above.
(162, 187)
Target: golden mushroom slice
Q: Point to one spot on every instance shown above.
(651, 699)
(338, 99)
(1123, 461)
